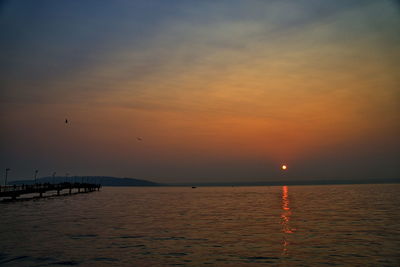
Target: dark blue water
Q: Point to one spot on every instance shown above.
(348, 225)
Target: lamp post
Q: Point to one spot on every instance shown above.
(36, 172)
(5, 181)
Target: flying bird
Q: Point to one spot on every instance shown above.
(66, 121)
(139, 138)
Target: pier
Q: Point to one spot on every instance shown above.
(14, 191)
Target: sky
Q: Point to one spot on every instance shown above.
(217, 90)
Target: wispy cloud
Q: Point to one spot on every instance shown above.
(307, 73)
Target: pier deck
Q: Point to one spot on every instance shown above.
(14, 191)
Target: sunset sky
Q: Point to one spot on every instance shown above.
(217, 90)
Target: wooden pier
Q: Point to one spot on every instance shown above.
(14, 191)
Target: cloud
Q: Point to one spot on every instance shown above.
(264, 79)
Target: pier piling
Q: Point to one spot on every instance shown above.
(14, 191)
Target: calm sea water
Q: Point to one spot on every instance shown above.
(350, 225)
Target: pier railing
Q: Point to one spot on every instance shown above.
(14, 191)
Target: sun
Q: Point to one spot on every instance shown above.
(284, 167)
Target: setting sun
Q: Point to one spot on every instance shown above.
(284, 167)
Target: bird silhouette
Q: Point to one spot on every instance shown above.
(139, 138)
(66, 121)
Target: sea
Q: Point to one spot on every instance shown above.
(327, 225)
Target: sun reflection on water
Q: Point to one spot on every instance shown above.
(285, 218)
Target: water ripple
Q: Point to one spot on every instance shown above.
(351, 225)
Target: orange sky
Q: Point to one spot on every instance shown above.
(218, 92)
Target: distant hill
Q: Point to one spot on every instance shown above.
(103, 180)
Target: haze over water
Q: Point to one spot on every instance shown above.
(350, 225)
